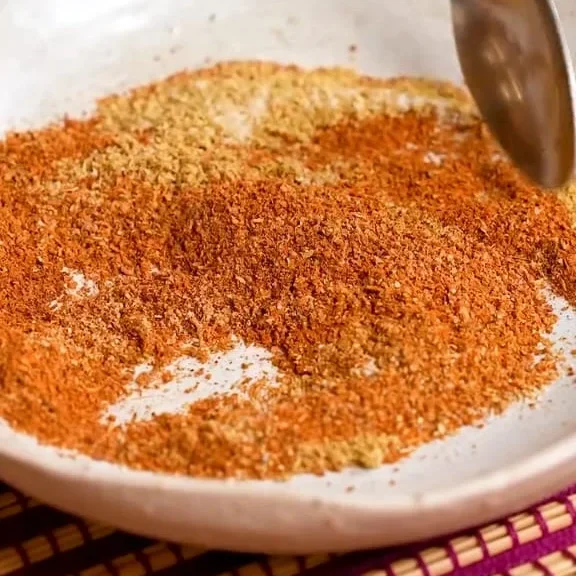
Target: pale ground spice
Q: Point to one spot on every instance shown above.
(337, 220)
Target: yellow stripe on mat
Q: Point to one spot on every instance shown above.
(41, 548)
(279, 566)
(14, 508)
(497, 539)
(7, 499)
(468, 550)
(557, 563)
(158, 557)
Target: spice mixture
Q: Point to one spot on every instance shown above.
(367, 233)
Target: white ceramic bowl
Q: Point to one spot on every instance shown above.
(57, 56)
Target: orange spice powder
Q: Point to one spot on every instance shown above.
(366, 232)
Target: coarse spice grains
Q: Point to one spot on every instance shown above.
(366, 232)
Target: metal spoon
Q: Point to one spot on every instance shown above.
(518, 69)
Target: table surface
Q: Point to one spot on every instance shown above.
(38, 540)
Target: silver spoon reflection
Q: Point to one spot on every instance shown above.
(518, 70)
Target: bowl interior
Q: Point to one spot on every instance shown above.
(57, 56)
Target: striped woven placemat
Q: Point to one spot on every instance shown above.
(38, 540)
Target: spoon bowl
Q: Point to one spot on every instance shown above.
(518, 69)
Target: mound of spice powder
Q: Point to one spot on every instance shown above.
(368, 233)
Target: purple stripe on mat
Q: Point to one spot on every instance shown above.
(354, 564)
(525, 553)
(144, 561)
(267, 568)
(543, 568)
(361, 563)
(23, 555)
(22, 500)
(357, 564)
(482, 543)
(52, 541)
(177, 551)
(88, 541)
(97, 552)
(544, 530)
(569, 506)
(512, 532)
(422, 565)
(453, 555)
(502, 563)
(30, 523)
(570, 555)
(210, 564)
